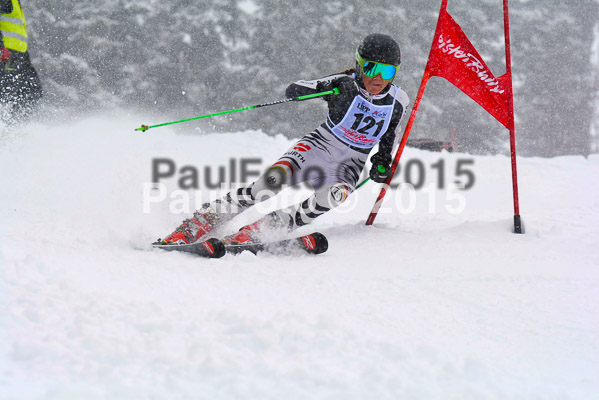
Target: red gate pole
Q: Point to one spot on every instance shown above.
(404, 139)
(402, 144)
(508, 64)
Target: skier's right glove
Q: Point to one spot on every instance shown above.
(381, 167)
(348, 89)
(4, 54)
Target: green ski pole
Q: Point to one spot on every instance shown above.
(144, 128)
(362, 183)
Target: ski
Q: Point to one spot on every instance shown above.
(211, 248)
(314, 243)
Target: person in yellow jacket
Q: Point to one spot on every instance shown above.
(20, 86)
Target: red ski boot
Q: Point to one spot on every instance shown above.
(255, 232)
(247, 235)
(192, 229)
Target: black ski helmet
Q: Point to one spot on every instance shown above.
(380, 48)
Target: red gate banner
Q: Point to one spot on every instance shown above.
(454, 58)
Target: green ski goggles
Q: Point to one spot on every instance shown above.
(373, 68)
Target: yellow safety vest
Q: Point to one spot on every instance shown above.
(14, 29)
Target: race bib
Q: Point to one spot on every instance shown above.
(364, 123)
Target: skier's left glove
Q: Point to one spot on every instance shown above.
(4, 54)
(381, 167)
(347, 88)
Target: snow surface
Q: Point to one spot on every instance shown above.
(425, 304)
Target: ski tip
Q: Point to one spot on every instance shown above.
(315, 243)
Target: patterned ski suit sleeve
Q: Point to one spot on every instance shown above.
(302, 88)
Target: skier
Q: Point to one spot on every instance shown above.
(20, 86)
(367, 111)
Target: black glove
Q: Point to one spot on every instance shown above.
(381, 167)
(348, 89)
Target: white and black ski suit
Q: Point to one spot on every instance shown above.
(331, 158)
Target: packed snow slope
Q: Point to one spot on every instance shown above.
(437, 300)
